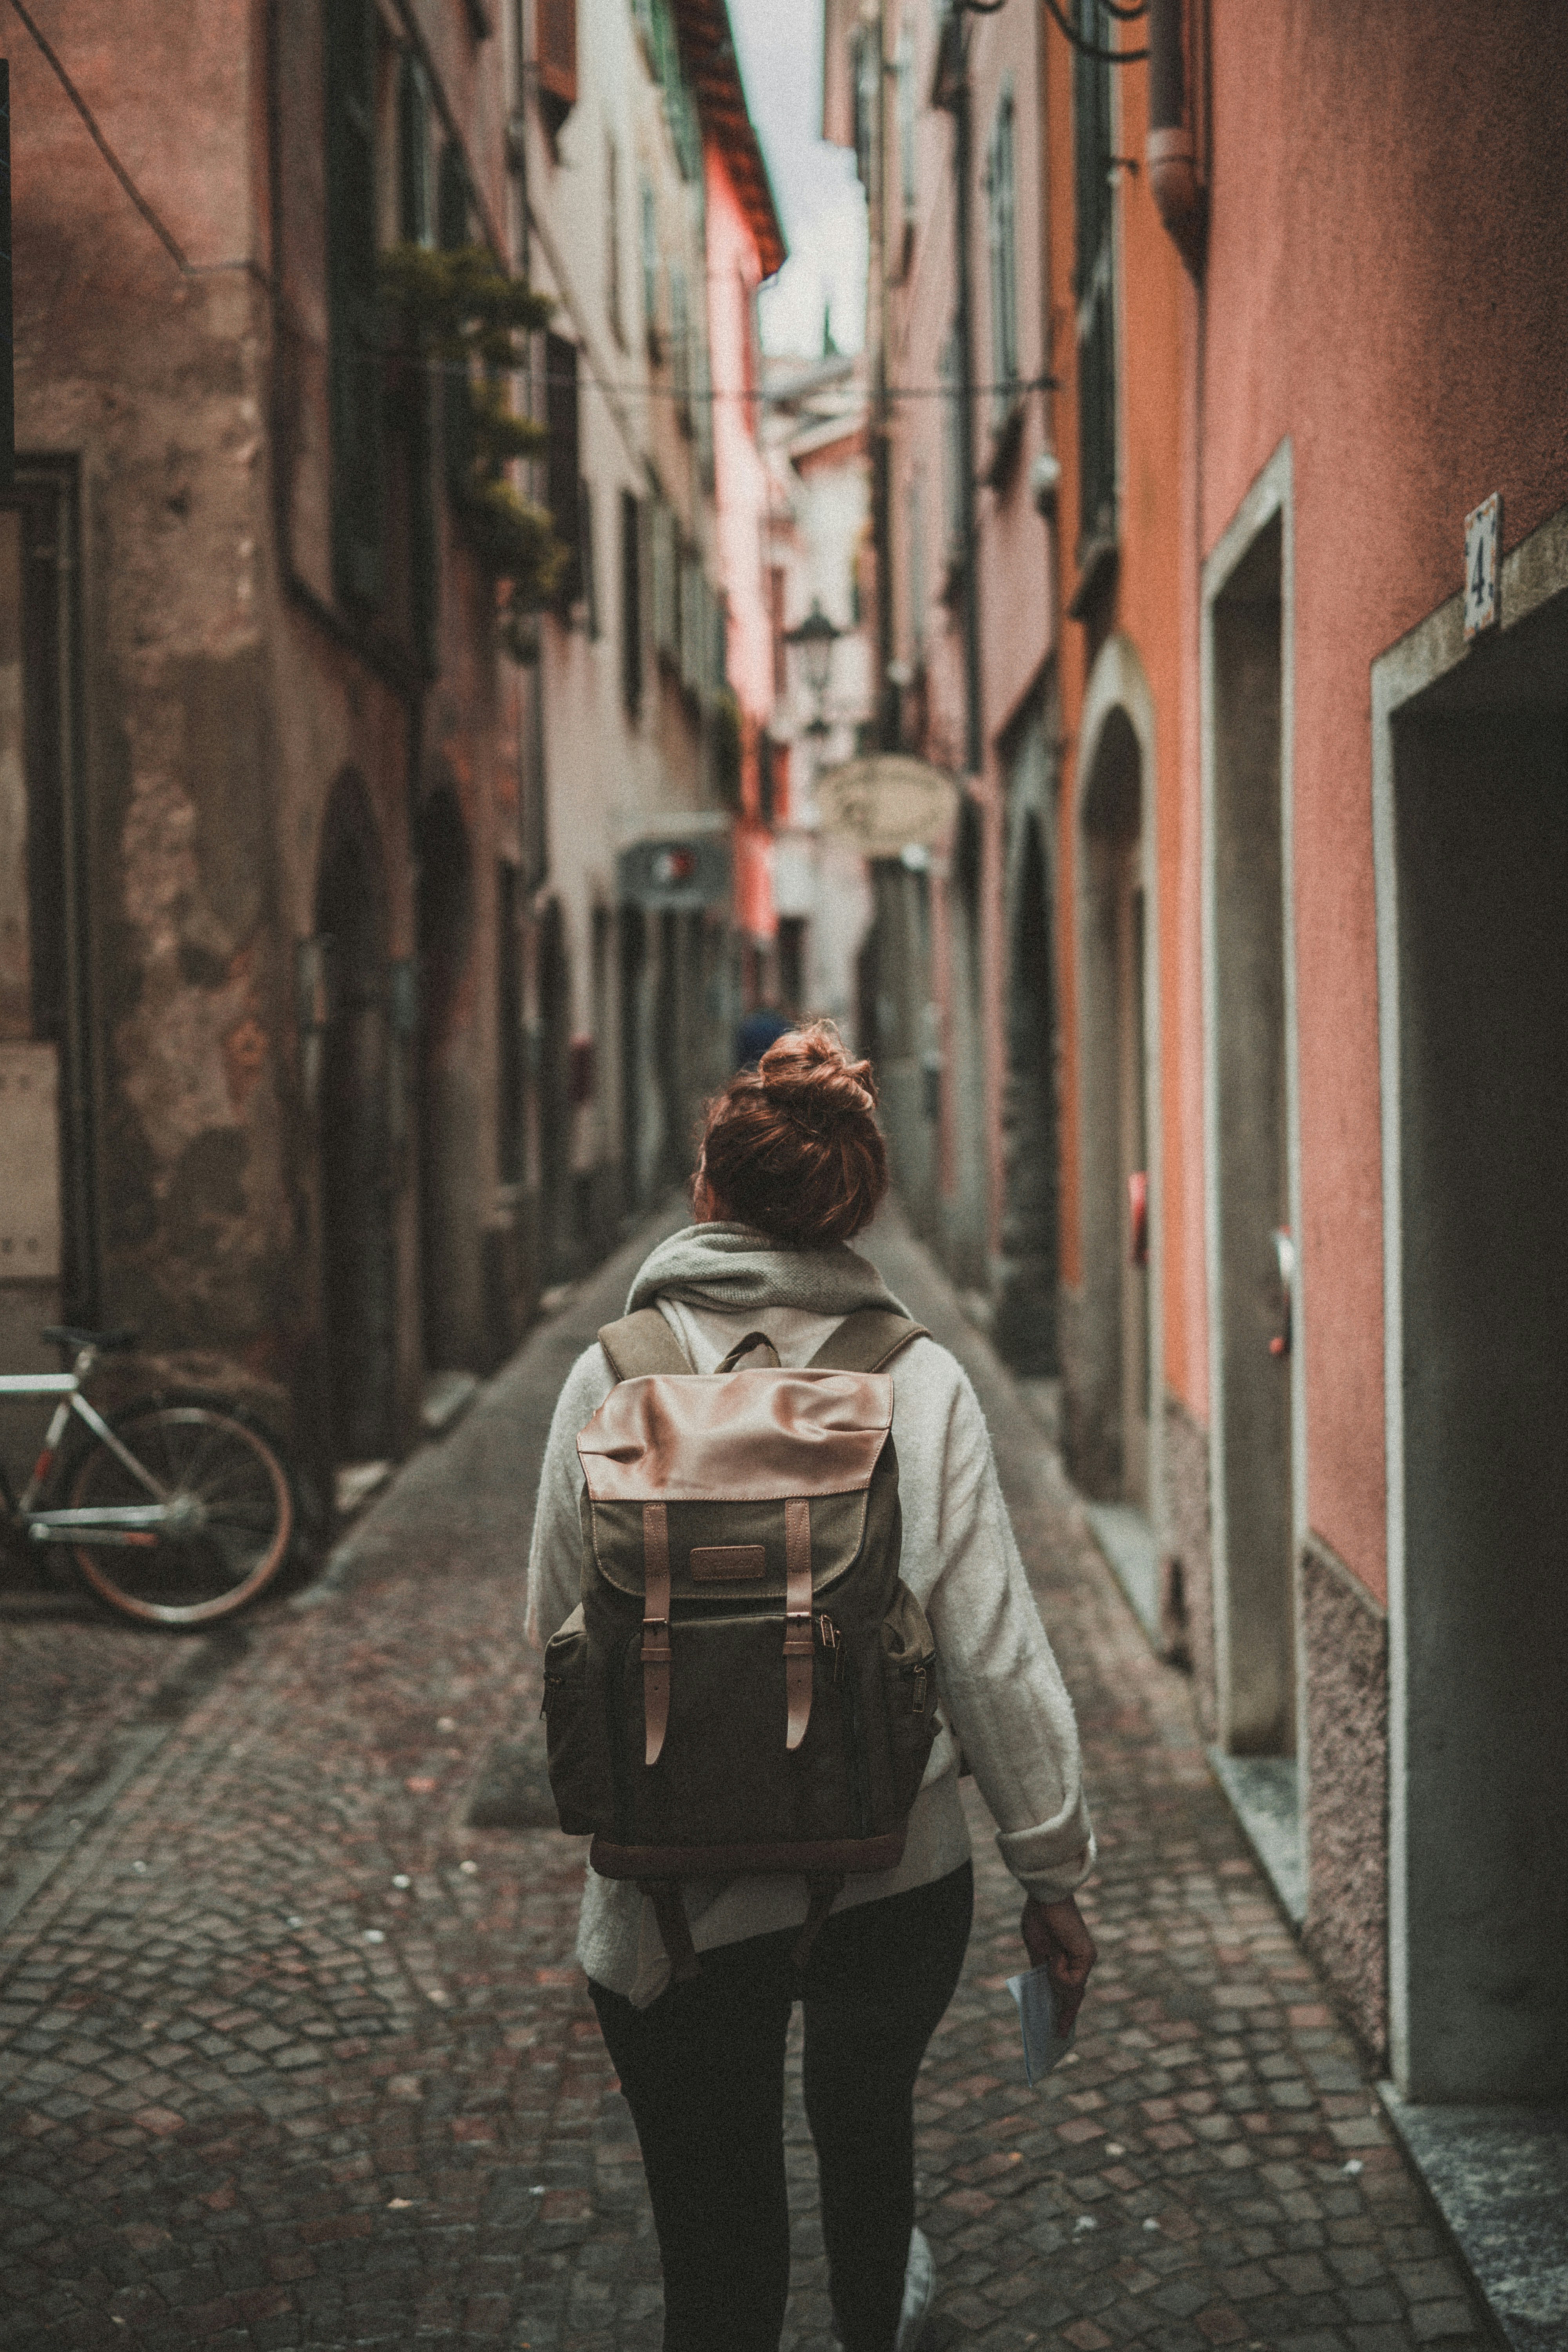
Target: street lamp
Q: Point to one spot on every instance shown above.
(816, 637)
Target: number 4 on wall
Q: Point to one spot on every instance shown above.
(1483, 542)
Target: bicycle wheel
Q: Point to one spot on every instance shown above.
(229, 1512)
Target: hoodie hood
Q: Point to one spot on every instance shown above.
(732, 1269)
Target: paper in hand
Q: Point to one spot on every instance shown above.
(1045, 2045)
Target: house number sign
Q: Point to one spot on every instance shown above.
(1483, 538)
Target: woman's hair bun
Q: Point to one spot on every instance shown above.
(793, 1147)
(812, 1071)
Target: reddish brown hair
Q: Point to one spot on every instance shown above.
(793, 1147)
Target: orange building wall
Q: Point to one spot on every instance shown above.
(1151, 604)
(1386, 286)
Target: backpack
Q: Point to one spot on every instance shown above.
(746, 1686)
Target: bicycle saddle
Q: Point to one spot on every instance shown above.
(70, 1334)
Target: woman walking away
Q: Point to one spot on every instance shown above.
(694, 1528)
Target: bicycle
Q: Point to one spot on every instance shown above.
(177, 1509)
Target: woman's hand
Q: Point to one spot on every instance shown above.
(1059, 1940)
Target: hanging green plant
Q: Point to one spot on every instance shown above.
(466, 316)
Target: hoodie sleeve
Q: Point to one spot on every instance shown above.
(999, 1678)
(554, 1557)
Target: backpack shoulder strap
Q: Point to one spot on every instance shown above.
(867, 1341)
(642, 1343)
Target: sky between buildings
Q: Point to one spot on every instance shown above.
(779, 43)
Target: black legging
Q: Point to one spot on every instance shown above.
(702, 2070)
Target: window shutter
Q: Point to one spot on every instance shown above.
(354, 360)
(631, 603)
(416, 199)
(416, 211)
(555, 34)
(563, 470)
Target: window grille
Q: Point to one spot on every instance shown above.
(631, 602)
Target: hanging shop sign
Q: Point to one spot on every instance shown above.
(887, 803)
(675, 876)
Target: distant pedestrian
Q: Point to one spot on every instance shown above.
(762, 1027)
(793, 1166)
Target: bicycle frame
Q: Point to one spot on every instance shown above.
(130, 1524)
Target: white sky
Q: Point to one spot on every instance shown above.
(779, 43)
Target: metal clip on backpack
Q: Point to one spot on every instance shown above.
(746, 1686)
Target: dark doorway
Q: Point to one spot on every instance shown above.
(553, 994)
(1255, 1616)
(448, 1218)
(359, 1293)
(1110, 1428)
(1481, 829)
(1027, 1330)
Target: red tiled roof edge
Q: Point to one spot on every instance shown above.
(707, 49)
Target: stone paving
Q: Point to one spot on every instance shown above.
(292, 2056)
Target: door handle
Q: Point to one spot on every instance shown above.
(1285, 1260)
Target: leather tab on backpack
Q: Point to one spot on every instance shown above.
(640, 1344)
(867, 1341)
(798, 1642)
(656, 1652)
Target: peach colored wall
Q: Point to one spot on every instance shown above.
(1385, 284)
(1150, 605)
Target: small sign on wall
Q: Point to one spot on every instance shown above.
(1483, 548)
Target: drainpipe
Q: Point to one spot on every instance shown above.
(1171, 151)
(956, 97)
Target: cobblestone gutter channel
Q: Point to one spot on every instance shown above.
(291, 2054)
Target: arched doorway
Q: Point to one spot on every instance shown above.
(1026, 1315)
(447, 1171)
(554, 996)
(1110, 1420)
(358, 1269)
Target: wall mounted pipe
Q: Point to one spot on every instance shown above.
(1171, 151)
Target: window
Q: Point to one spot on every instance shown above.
(1003, 237)
(614, 302)
(647, 223)
(680, 344)
(458, 415)
(512, 1089)
(588, 568)
(1094, 287)
(355, 362)
(919, 587)
(953, 484)
(776, 624)
(555, 40)
(631, 603)
(864, 56)
(666, 584)
(564, 468)
(416, 207)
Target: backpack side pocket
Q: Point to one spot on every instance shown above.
(574, 1732)
(909, 1684)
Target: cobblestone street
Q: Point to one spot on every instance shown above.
(291, 2054)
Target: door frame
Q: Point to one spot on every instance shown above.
(1271, 498)
(1535, 571)
(1119, 682)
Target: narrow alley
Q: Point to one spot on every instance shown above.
(292, 2053)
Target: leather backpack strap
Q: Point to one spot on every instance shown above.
(867, 1341)
(642, 1343)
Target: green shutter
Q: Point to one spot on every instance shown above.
(416, 221)
(355, 367)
